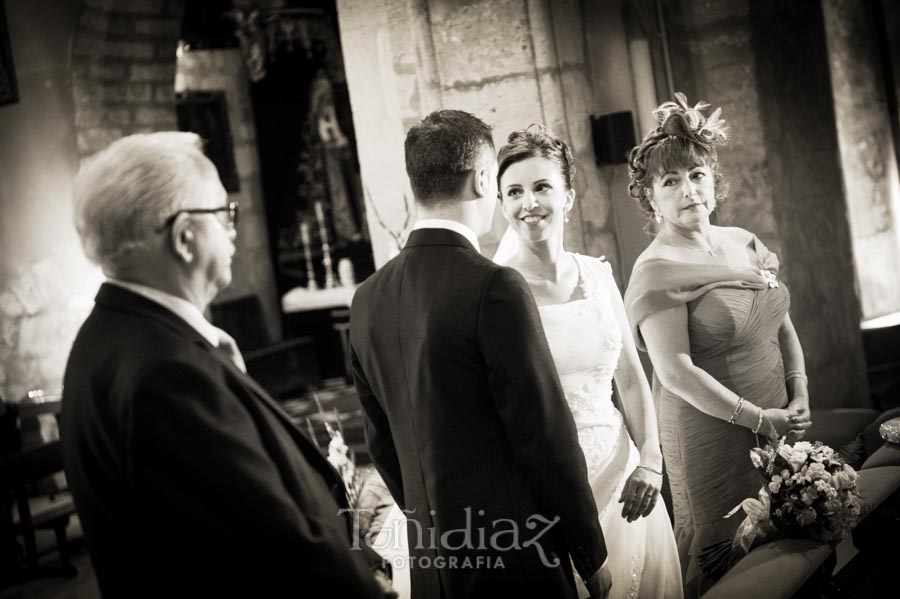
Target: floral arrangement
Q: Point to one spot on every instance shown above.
(341, 457)
(809, 491)
(338, 453)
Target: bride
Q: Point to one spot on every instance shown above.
(589, 337)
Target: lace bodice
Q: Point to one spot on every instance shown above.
(585, 341)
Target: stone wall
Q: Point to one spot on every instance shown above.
(713, 60)
(88, 73)
(868, 156)
(223, 70)
(406, 58)
(782, 164)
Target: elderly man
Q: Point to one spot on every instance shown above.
(188, 478)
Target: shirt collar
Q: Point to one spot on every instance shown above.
(182, 308)
(452, 225)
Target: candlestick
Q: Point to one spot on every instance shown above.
(307, 253)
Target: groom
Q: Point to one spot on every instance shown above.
(465, 417)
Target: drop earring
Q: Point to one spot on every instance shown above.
(566, 219)
(657, 215)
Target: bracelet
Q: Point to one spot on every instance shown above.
(795, 374)
(758, 422)
(651, 470)
(737, 410)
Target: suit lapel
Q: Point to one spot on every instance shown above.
(119, 298)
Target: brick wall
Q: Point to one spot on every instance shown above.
(123, 69)
(88, 73)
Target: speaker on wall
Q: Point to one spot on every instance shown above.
(613, 136)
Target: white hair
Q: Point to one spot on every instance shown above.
(124, 193)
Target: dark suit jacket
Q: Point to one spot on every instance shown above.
(468, 424)
(188, 479)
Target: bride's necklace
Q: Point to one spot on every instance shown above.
(681, 242)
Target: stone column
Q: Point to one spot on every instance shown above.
(867, 153)
(512, 63)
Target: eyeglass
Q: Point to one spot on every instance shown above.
(231, 209)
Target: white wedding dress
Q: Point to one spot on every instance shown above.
(585, 341)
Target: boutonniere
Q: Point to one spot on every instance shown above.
(769, 277)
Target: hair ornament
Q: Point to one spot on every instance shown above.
(682, 120)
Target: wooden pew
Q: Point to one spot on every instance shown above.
(777, 570)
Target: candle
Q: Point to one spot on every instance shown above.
(304, 236)
(307, 253)
(320, 216)
(326, 249)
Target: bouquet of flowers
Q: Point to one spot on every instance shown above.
(809, 491)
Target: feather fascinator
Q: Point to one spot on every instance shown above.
(679, 119)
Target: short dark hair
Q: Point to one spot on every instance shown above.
(442, 150)
(537, 141)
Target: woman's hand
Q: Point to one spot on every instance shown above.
(782, 422)
(800, 406)
(640, 494)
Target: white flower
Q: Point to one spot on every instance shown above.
(797, 458)
(816, 471)
(809, 495)
(756, 458)
(845, 479)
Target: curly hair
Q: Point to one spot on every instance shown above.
(685, 138)
(537, 141)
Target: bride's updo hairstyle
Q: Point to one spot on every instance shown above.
(684, 139)
(537, 141)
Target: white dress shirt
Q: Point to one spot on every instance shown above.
(182, 308)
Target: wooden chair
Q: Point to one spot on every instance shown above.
(284, 369)
(19, 471)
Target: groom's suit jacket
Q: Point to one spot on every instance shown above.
(188, 479)
(468, 425)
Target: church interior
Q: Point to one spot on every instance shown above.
(303, 106)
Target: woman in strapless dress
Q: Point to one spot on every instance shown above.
(706, 304)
